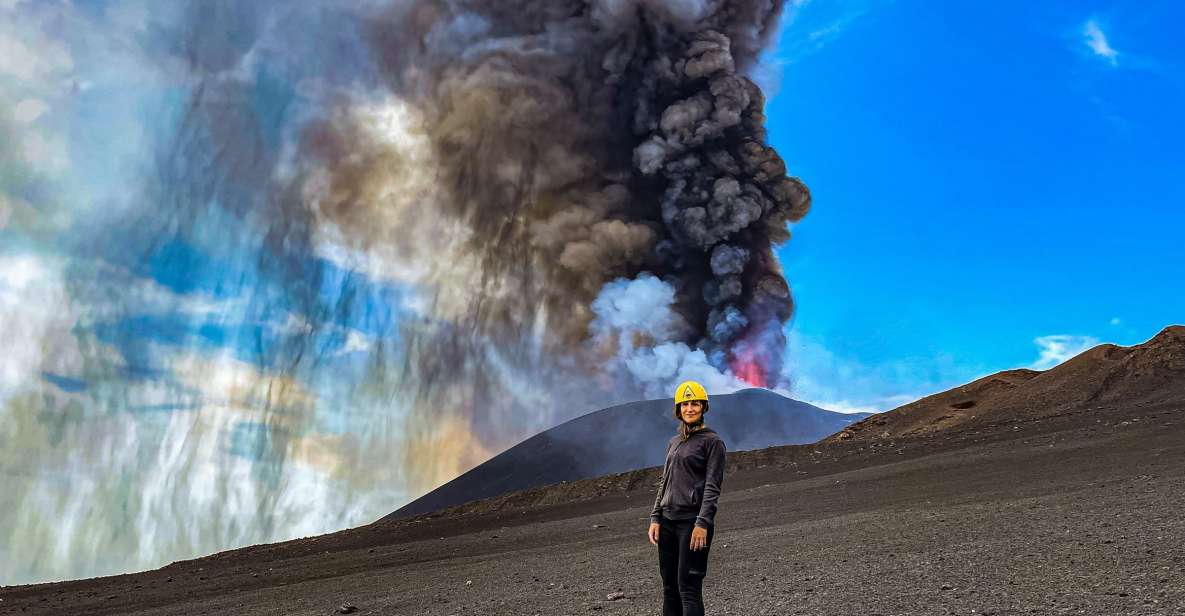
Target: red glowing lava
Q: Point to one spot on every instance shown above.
(745, 366)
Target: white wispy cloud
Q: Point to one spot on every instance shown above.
(805, 28)
(355, 341)
(1057, 348)
(1096, 39)
(28, 110)
(802, 37)
(821, 377)
(849, 407)
(33, 335)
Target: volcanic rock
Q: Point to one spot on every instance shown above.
(1078, 512)
(1146, 374)
(630, 436)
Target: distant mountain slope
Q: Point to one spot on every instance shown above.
(627, 437)
(1151, 373)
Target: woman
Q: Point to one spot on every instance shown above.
(684, 513)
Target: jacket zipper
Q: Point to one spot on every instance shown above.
(665, 485)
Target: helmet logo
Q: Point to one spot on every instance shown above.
(687, 393)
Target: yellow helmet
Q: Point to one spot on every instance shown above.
(690, 390)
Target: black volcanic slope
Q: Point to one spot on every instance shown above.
(627, 437)
(1070, 504)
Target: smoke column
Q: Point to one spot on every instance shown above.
(575, 143)
(568, 145)
(285, 267)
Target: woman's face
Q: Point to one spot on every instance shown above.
(691, 411)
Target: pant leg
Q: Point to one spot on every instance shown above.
(693, 567)
(668, 567)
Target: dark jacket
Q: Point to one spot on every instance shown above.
(691, 479)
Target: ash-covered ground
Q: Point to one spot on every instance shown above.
(1069, 512)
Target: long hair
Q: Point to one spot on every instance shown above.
(686, 429)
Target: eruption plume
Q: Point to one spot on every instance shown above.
(525, 157)
(572, 144)
(286, 266)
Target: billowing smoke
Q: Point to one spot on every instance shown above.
(286, 266)
(510, 162)
(573, 143)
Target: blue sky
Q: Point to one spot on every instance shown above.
(995, 186)
(983, 176)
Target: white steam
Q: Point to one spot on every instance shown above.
(636, 319)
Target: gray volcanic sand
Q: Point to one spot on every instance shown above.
(1080, 513)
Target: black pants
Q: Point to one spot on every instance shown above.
(682, 568)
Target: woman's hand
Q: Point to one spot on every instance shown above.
(654, 533)
(699, 537)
